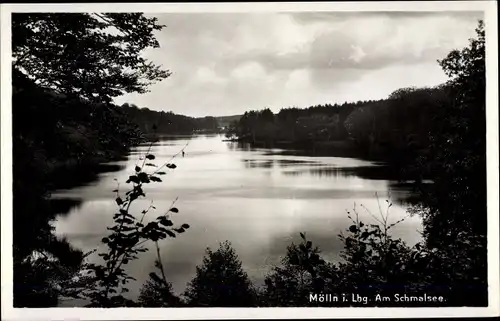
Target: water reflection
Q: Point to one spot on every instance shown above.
(63, 206)
(251, 163)
(258, 200)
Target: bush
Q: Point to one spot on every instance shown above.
(220, 281)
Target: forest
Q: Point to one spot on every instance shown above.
(437, 133)
(393, 129)
(154, 122)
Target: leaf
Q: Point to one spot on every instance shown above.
(172, 166)
(104, 256)
(186, 226)
(155, 277)
(353, 229)
(170, 233)
(150, 156)
(161, 173)
(105, 240)
(155, 179)
(119, 201)
(166, 222)
(143, 177)
(302, 235)
(133, 179)
(174, 210)
(151, 164)
(137, 169)
(151, 226)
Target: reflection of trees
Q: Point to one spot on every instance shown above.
(250, 163)
(239, 146)
(62, 206)
(365, 172)
(320, 172)
(281, 163)
(291, 162)
(403, 194)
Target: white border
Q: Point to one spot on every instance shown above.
(488, 7)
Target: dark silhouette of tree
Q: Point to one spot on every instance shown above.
(458, 145)
(301, 272)
(96, 56)
(402, 92)
(220, 281)
(150, 121)
(456, 222)
(67, 67)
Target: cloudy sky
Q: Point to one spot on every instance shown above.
(225, 63)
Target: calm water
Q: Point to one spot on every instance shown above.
(258, 199)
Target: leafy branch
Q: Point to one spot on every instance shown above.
(128, 234)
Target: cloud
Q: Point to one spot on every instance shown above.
(228, 63)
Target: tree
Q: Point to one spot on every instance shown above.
(96, 56)
(456, 222)
(220, 281)
(458, 146)
(301, 273)
(361, 126)
(402, 92)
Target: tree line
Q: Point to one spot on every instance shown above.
(387, 128)
(150, 121)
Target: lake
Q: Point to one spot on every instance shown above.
(258, 199)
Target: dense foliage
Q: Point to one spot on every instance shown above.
(150, 121)
(220, 281)
(456, 223)
(66, 69)
(316, 123)
(61, 137)
(96, 56)
(390, 128)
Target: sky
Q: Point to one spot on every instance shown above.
(229, 63)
